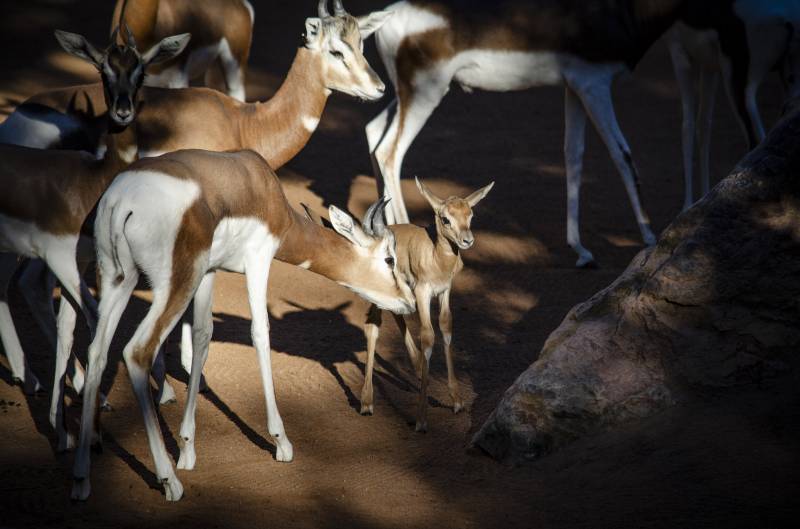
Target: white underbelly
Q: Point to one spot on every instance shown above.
(27, 240)
(235, 239)
(507, 70)
(36, 129)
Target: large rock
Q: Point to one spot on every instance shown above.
(716, 303)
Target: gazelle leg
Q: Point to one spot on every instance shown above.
(165, 394)
(426, 340)
(37, 284)
(257, 273)
(574, 143)
(412, 112)
(596, 98)
(446, 326)
(408, 340)
(686, 76)
(187, 351)
(8, 332)
(112, 304)
(203, 327)
(232, 70)
(139, 354)
(66, 327)
(371, 330)
(708, 89)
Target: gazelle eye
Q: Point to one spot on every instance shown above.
(339, 55)
(445, 221)
(390, 261)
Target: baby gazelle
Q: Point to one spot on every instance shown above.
(48, 194)
(429, 267)
(177, 219)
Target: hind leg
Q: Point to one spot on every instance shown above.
(371, 330)
(232, 71)
(8, 332)
(414, 107)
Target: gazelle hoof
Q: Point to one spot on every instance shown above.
(284, 451)
(31, 385)
(367, 409)
(586, 262)
(167, 394)
(421, 427)
(104, 404)
(173, 489)
(80, 489)
(457, 407)
(187, 459)
(66, 442)
(649, 239)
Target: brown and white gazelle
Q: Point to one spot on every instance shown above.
(222, 31)
(47, 196)
(512, 45)
(429, 266)
(747, 42)
(180, 217)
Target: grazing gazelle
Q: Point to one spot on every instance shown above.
(222, 32)
(753, 38)
(47, 195)
(429, 265)
(177, 219)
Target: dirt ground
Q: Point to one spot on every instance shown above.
(728, 460)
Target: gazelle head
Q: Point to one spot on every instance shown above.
(374, 276)
(339, 40)
(122, 67)
(454, 215)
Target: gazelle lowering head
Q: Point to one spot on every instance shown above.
(374, 276)
(430, 266)
(339, 39)
(122, 67)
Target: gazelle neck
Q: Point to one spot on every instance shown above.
(319, 249)
(445, 252)
(282, 126)
(120, 148)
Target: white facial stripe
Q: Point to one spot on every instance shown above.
(112, 77)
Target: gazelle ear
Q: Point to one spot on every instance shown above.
(168, 48)
(315, 217)
(435, 202)
(349, 228)
(478, 195)
(78, 46)
(313, 32)
(369, 24)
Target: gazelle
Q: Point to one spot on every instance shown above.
(429, 265)
(180, 217)
(754, 38)
(513, 45)
(47, 196)
(222, 33)
(74, 117)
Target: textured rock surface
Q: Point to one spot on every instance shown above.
(716, 303)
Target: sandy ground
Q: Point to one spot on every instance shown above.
(727, 460)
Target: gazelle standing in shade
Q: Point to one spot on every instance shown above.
(430, 263)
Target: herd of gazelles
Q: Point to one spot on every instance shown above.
(213, 201)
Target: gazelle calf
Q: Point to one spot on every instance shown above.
(755, 38)
(180, 217)
(47, 196)
(222, 33)
(429, 265)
